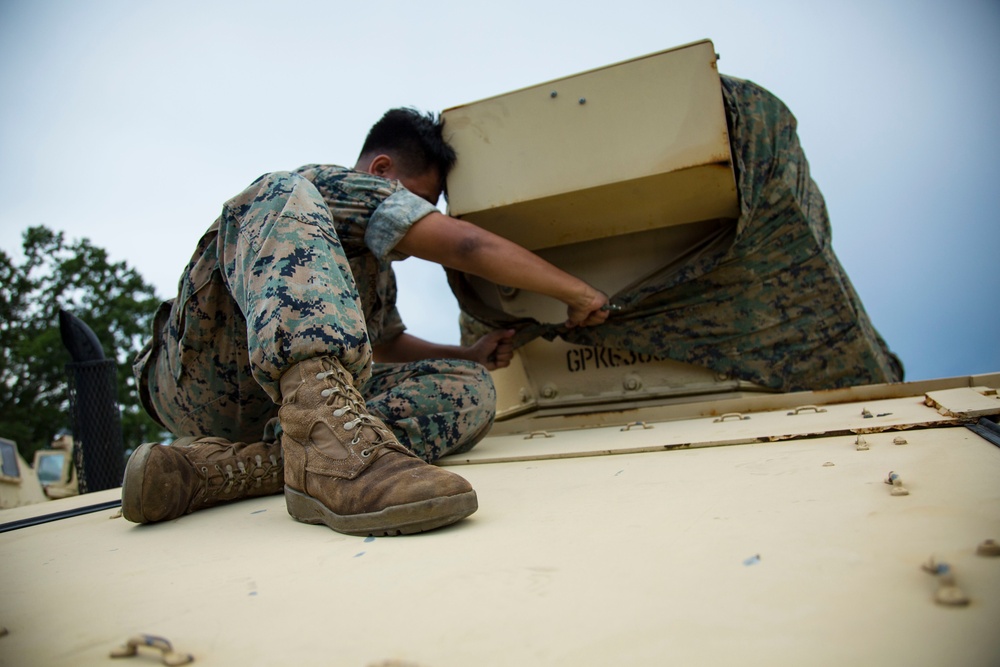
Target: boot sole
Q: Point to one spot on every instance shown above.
(132, 484)
(406, 519)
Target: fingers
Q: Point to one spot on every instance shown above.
(504, 350)
(591, 314)
(595, 317)
(498, 347)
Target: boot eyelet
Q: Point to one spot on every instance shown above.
(365, 453)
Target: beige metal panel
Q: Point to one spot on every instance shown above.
(965, 402)
(551, 164)
(71, 503)
(884, 421)
(751, 555)
(514, 395)
(557, 373)
(21, 487)
(680, 406)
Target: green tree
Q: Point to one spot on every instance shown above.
(111, 298)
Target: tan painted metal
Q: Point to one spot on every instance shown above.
(847, 419)
(612, 175)
(773, 553)
(965, 401)
(557, 374)
(19, 484)
(674, 391)
(550, 164)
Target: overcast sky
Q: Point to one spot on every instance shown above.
(130, 122)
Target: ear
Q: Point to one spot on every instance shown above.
(381, 165)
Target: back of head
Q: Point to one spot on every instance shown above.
(413, 140)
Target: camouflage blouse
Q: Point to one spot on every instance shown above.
(371, 215)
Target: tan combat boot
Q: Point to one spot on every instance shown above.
(345, 468)
(165, 482)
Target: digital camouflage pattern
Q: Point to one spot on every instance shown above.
(435, 407)
(288, 273)
(765, 300)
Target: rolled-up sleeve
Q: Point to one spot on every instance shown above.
(392, 219)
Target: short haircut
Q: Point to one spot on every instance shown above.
(412, 139)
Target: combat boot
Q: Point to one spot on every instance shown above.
(165, 482)
(344, 467)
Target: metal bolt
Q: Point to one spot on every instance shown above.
(897, 485)
(553, 93)
(583, 100)
(948, 593)
(988, 548)
(549, 391)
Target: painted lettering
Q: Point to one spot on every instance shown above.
(579, 359)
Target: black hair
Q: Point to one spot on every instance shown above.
(414, 140)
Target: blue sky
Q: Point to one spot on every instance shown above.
(131, 122)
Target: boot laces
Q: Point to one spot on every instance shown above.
(353, 405)
(228, 479)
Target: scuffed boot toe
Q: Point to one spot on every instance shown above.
(150, 488)
(345, 469)
(164, 482)
(398, 495)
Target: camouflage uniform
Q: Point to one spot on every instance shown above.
(296, 267)
(765, 299)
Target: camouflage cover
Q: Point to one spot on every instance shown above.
(764, 299)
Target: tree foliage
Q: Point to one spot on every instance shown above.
(111, 298)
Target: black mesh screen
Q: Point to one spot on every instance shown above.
(97, 428)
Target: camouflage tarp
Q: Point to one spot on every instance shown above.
(764, 300)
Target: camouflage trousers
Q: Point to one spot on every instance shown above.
(269, 286)
(768, 302)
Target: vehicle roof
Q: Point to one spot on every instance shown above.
(588, 548)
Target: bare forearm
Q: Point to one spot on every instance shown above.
(404, 348)
(505, 263)
(494, 350)
(463, 246)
